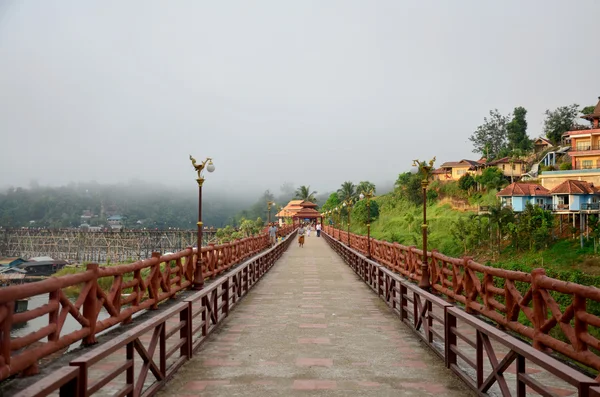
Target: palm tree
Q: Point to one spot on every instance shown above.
(304, 193)
(347, 191)
(365, 187)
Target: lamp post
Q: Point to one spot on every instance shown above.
(339, 213)
(348, 203)
(198, 282)
(269, 204)
(425, 170)
(368, 195)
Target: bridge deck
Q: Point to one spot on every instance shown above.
(311, 324)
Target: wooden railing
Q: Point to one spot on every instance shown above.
(151, 352)
(442, 325)
(524, 303)
(131, 288)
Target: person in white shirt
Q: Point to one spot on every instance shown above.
(308, 228)
(318, 230)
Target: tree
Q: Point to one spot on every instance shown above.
(287, 191)
(559, 121)
(490, 137)
(304, 193)
(360, 213)
(466, 182)
(588, 110)
(365, 187)
(332, 202)
(347, 191)
(491, 178)
(516, 131)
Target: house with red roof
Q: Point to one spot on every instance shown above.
(454, 170)
(517, 195)
(584, 152)
(572, 195)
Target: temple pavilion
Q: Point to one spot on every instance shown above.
(299, 211)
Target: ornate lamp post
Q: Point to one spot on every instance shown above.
(348, 203)
(339, 214)
(368, 195)
(198, 282)
(269, 204)
(425, 170)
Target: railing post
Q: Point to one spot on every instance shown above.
(155, 281)
(539, 307)
(186, 332)
(450, 338)
(90, 309)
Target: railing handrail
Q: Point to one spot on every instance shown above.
(151, 281)
(476, 287)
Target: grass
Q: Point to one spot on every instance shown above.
(400, 221)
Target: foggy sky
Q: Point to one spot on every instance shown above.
(311, 92)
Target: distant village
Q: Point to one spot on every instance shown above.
(563, 178)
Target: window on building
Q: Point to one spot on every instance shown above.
(539, 202)
(513, 167)
(502, 167)
(508, 201)
(587, 164)
(461, 172)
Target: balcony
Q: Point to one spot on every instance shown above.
(590, 206)
(584, 147)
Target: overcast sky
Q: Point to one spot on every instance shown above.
(311, 92)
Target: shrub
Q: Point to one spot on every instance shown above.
(565, 166)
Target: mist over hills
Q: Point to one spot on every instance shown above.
(143, 204)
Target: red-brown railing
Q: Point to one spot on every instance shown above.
(485, 358)
(132, 288)
(525, 303)
(150, 353)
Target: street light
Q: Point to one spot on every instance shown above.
(368, 196)
(348, 203)
(198, 282)
(269, 204)
(425, 170)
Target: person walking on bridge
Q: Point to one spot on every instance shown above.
(301, 236)
(273, 234)
(318, 230)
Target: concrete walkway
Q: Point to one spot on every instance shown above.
(311, 327)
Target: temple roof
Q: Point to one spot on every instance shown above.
(307, 213)
(308, 204)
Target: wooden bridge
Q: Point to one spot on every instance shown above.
(325, 319)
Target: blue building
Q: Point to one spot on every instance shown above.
(574, 195)
(517, 195)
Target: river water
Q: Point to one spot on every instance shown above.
(33, 325)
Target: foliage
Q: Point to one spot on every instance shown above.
(490, 137)
(304, 193)
(559, 121)
(467, 182)
(517, 131)
(153, 206)
(409, 187)
(365, 187)
(347, 191)
(565, 166)
(467, 232)
(588, 110)
(360, 213)
(531, 228)
(491, 178)
(332, 202)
